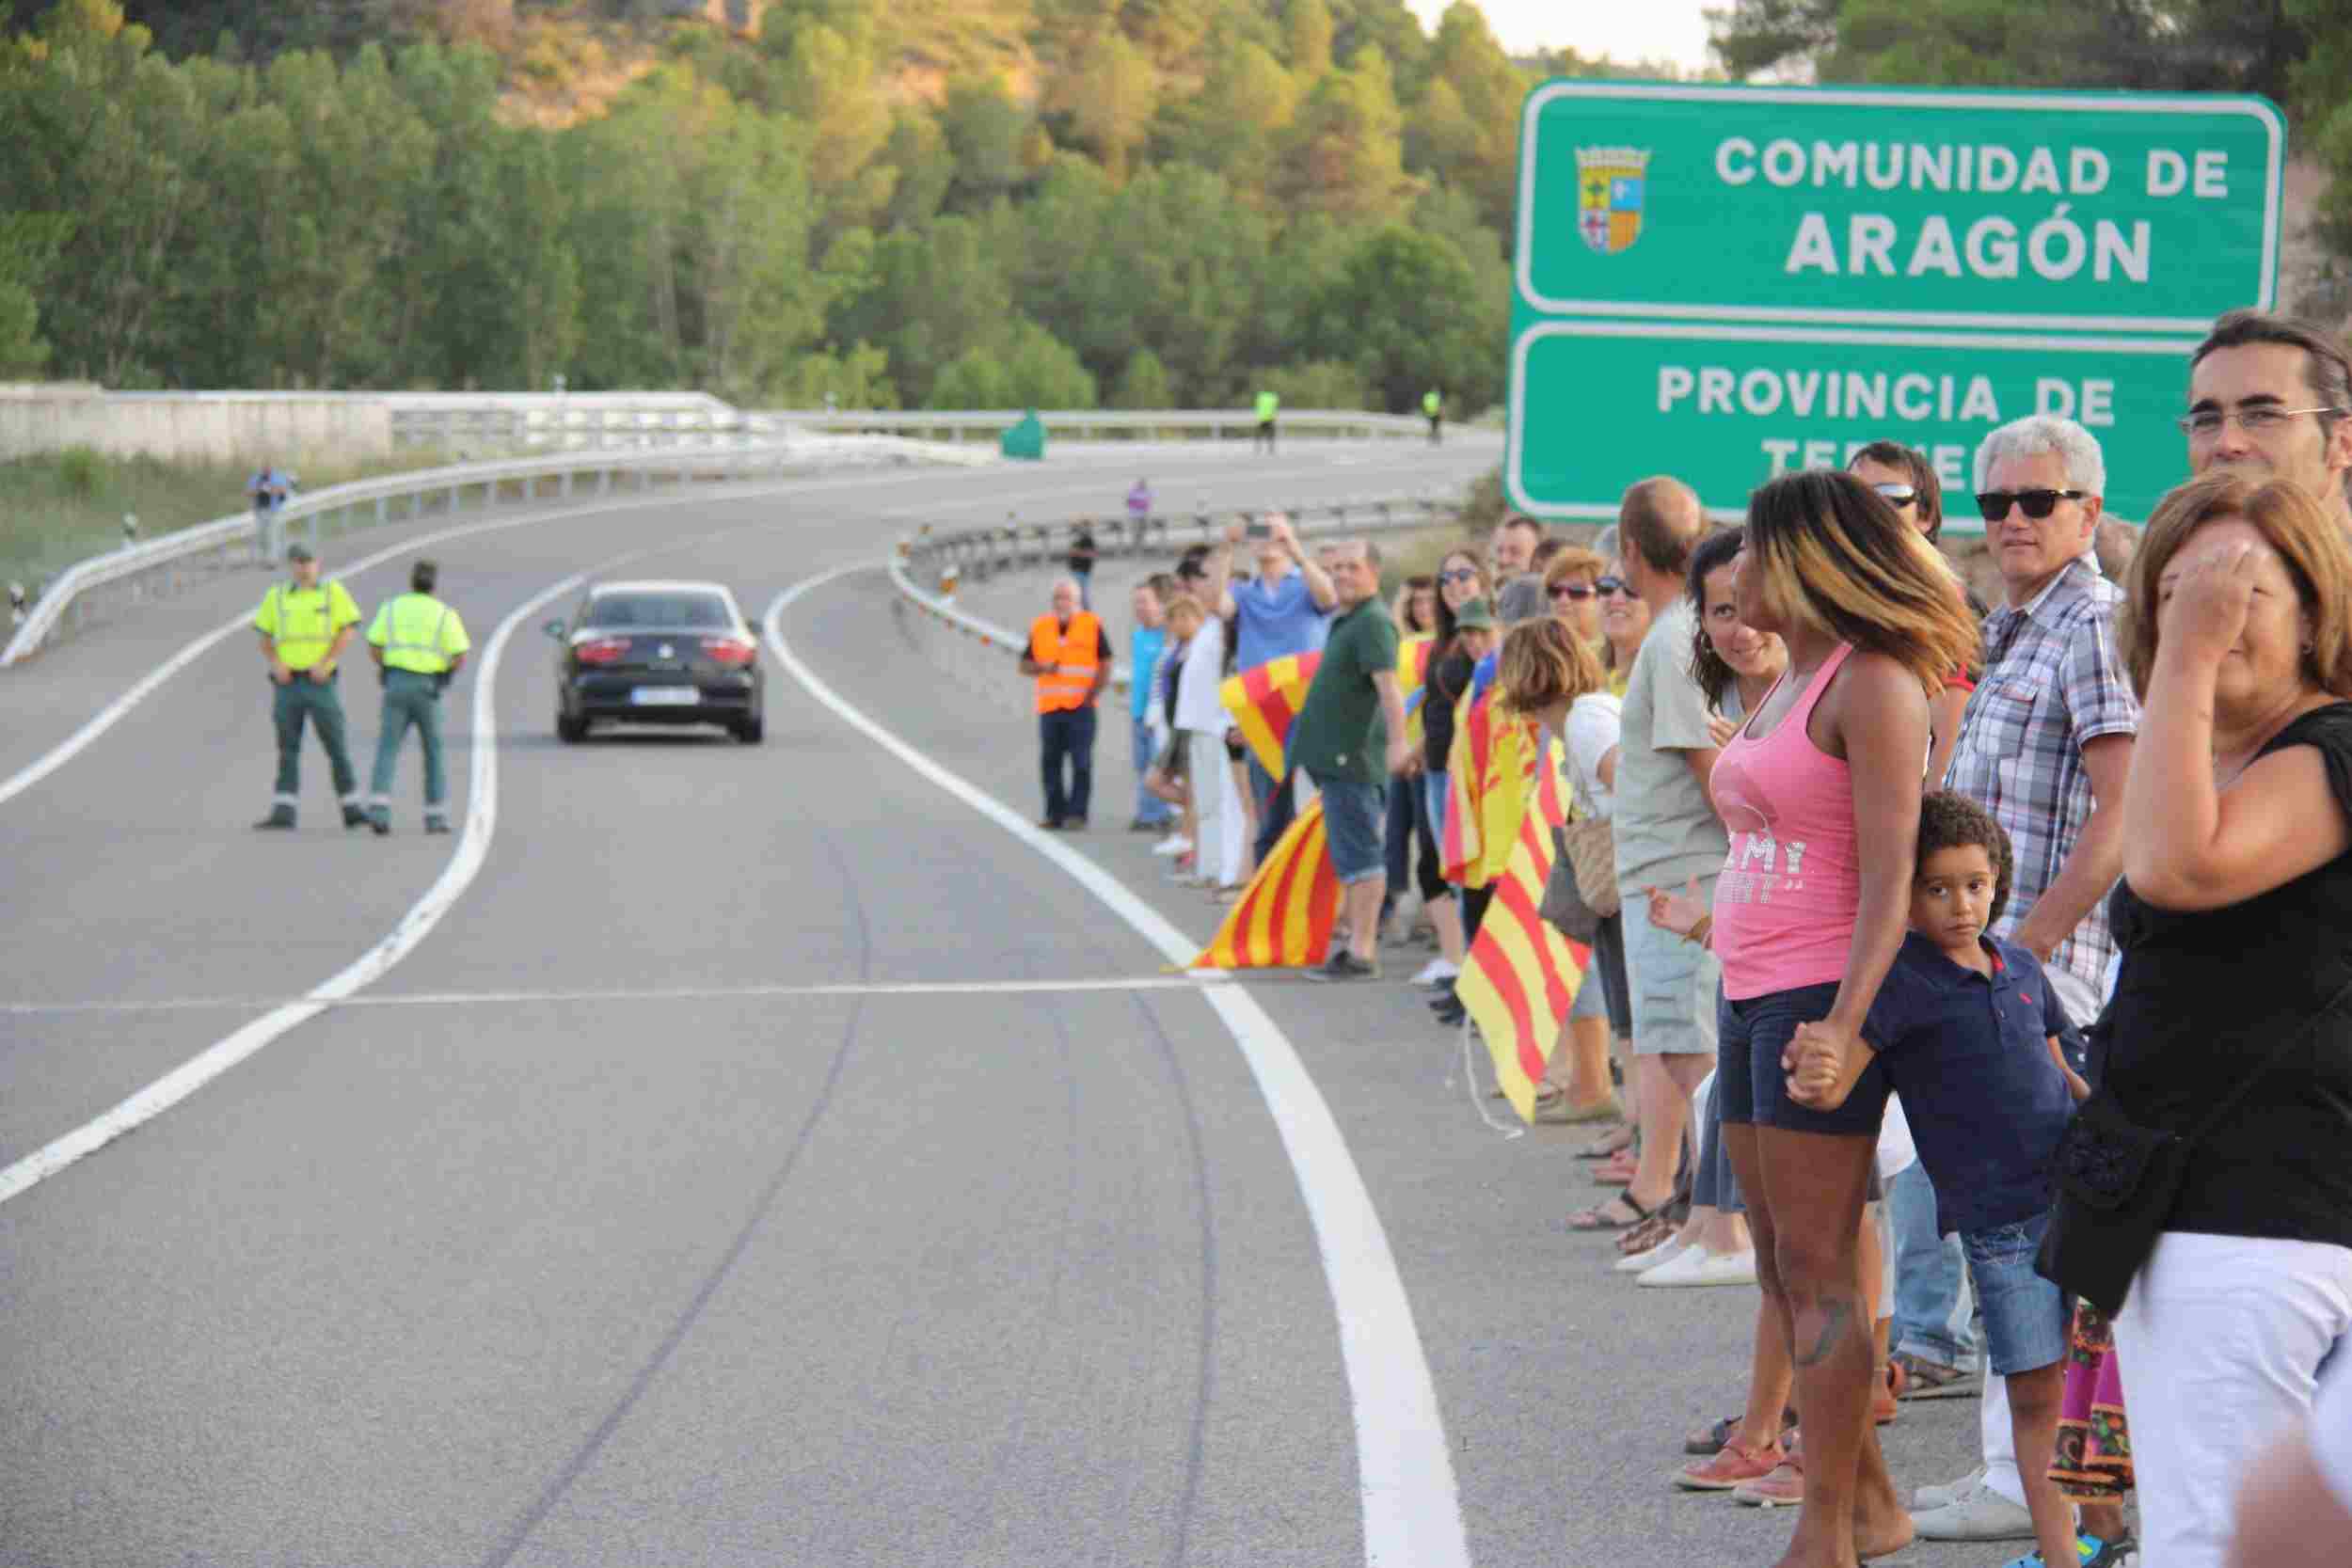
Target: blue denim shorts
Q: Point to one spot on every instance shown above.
(1354, 820)
(1750, 1038)
(2025, 1315)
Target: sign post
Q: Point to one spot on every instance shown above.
(1725, 284)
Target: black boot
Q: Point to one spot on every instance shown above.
(354, 817)
(279, 818)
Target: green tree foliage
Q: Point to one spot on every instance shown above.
(1144, 383)
(1345, 154)
(1022, 366)
(1407, 307)
(1310, 38)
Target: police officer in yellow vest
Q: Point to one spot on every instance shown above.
(1433, 409)
(1269, 404)
(305, 626)
(417, 643)
(1070, 655)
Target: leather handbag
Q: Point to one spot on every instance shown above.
(1592, 848)
(2118, 1183)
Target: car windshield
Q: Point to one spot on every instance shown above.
(675, 610)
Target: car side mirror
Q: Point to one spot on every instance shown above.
(555, 629)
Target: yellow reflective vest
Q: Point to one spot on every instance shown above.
(302, 622)
(418, 632)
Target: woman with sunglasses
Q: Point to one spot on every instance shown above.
(1569, 580)
(1906, 481)
(1460, 583)
(1623, 622)
(1820, 792)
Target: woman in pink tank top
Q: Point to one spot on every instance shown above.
(1820, 791)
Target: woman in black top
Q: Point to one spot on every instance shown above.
(1461, 582)
(2231, 917)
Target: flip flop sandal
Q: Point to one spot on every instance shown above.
(1926, 1380)
(1609, 1147)
(1647, 1234)
(1715, 1437)
(1593, 1219)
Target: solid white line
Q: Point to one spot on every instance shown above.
(1190, 980)
(1412, 1510)
(472, 847)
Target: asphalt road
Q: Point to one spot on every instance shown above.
(759, 1155)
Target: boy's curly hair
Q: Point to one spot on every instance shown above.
(1950, 821)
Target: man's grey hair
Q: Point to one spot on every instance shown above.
(2038, 433)
(1071, 584)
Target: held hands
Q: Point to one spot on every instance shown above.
(1822, 1064)
(2075, 1083)
(1678, 912)
(1719, 730)
(1400, 756)
(2204, 601)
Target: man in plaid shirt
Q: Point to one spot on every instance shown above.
(2047, 734)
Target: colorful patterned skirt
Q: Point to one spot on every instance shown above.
(2093, 1463)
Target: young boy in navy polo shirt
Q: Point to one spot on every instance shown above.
(1969, 1033)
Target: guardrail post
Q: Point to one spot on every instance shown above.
(379, 511)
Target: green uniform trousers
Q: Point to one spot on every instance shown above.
(410, 698)
(303, 699)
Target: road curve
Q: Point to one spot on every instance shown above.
(764, 1159)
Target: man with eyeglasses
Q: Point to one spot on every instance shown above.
(2269, 396)
(2044, 743)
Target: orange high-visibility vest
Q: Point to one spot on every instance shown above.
(1077, 650)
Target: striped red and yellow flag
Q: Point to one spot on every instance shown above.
(1265, 698)
(1521, 976)
(1488, 775)
(1285, 915)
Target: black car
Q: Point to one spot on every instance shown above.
(657, 653)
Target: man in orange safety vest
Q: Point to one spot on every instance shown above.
(1070, 655)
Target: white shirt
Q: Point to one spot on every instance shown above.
(1592, 728)
(1197, 704)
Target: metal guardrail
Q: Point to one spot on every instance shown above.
(158, 567)
(530, 421)
(1104, 424)
(942, 557)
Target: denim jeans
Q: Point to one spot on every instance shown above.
(1275, 801)
(1933, 1302)
(1067, 736)
(1149, 807)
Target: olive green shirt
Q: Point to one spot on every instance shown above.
(1341, 732)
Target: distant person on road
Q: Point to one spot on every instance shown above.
(1433, 409)
(1349, 738)
(1070, 655)
(1138, 510)
(1081, 562)
(1269, 404)
(305, 626)
(418, 643)
(268, 488)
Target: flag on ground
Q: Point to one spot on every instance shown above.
(1265, 698)
(1285, 915)
(1521, 976)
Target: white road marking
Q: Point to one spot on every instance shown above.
(473, 846)
(1189, 980)
(1412, 1510)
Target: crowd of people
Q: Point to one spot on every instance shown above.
(1962, 975)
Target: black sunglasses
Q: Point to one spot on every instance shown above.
(1460, 574)
(2039, 504)
(1607, 586)
(1570, 590)
(1898, 495)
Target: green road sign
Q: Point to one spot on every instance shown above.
(2007, 210)
(1596, 405)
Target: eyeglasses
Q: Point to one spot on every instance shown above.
(2039, 504)
(2204, 424)
(1607, 586)
(1460, 574)
(1898, 495)
(1570, 590)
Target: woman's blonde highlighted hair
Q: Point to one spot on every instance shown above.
(1543, 663)
(2293, 522)
(1837, 558)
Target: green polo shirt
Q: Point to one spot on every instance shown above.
(1340, 733)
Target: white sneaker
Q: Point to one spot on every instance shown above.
(1174, 844)
(1436, 972)
(1929, 1498)
(1984, 1515)
(1673, 1246)
(1699, 1266)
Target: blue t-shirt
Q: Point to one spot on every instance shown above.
(1968, 1055)
(1276, 621)
(1143, 652)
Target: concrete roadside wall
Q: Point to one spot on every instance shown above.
(287, 427)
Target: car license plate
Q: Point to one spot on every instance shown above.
(665, 696)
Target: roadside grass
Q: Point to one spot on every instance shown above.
(57, 507)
